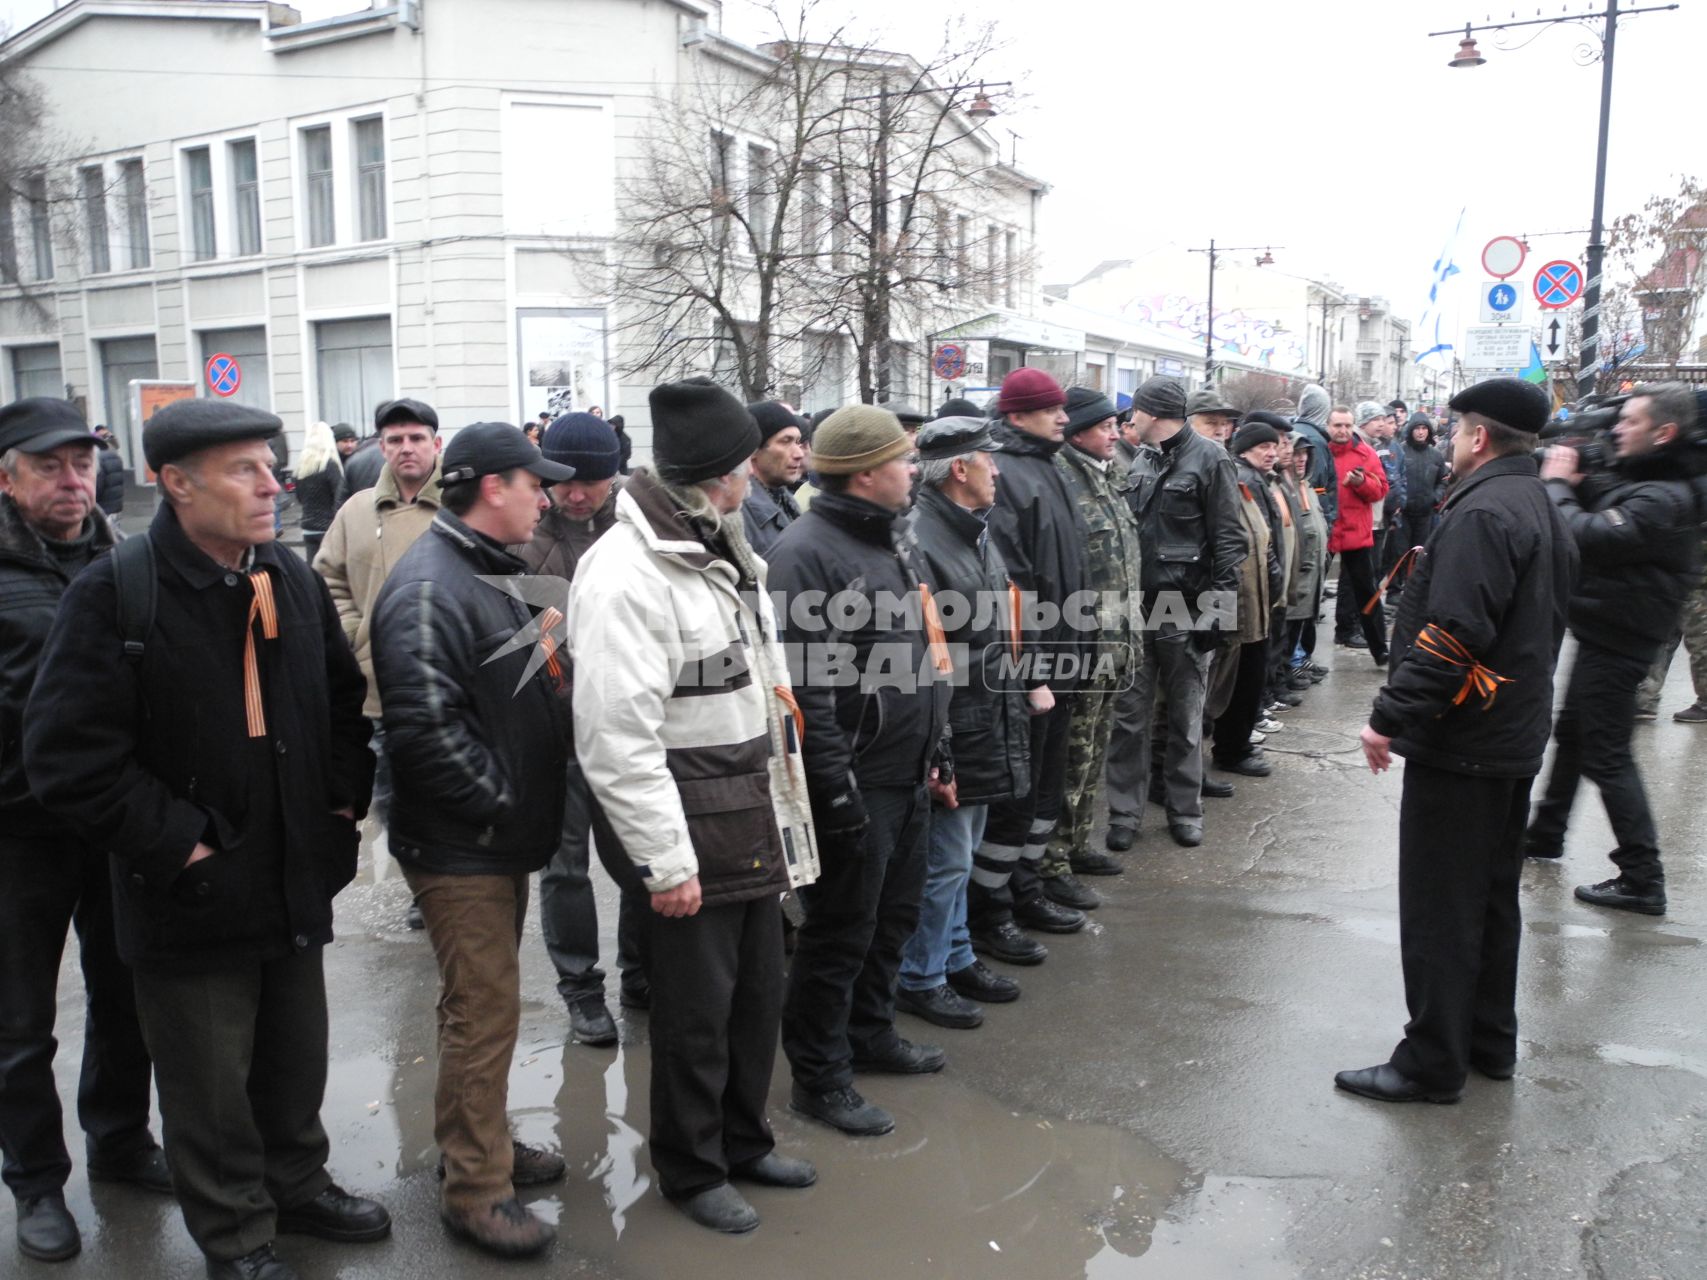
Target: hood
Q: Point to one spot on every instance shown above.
(667, 530)
(1314, 404)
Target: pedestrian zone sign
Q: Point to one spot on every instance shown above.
(1501, 302)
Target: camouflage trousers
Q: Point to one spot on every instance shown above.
(1691, 632)
(1087, 749)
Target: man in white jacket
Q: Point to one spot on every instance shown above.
(690, 742)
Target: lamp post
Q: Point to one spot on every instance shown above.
(1214, 251)
(1469, 56)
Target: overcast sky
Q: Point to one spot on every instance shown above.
(1331, 129)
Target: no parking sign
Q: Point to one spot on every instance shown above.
(224, 375)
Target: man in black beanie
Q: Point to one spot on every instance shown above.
(779, 465)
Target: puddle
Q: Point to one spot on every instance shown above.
(1625, 1055)
(1375, 928)
(1553, 929)
(1637, 937)
(1232, 1227)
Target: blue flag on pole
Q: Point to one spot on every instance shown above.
(1433, 338)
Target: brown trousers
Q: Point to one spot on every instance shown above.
(475, 926)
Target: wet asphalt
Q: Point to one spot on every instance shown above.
(1160, 1102)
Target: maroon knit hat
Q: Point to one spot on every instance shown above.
(1026, 389)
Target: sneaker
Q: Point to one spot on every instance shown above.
(590, 1022)
(1354, 642)
(977, 981)
(504, 1229)
(529, 1166)
(1257, 738)
(941, 1006)
(1646, 717)
(1316, 670)
(1624, 896)
(1069, 891)
(1696, 714)
(1005, 942)
(842, 1109)
(1288, 700)
(1050, 917)
(1268, 725)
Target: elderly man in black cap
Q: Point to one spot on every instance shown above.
(50, 877)
(1185, 494)
(1467, 702)
(778, 467)
(198, 714)
(478, 730)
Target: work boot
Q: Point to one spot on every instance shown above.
(504, 1229)
(1006, 943)
(842, 1109)
(1092, 863)
(1618, 892)
(902, 1058)
(46, 1230)
(529, 1166)
(1188, 835)
(977, 981)
(722, 1208)
(1068, 891)
(1215, 789)
(144, 1167)
(590, 1022)
(1050, 917)
(1120, 838)
(1252, 766)
(773, 1170)
(941, 1005)
(1696, 713)
(335, 1214)
(261, 1264)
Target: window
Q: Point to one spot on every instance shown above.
(841, 215)
(35, 371)
(963, 248)
(759, 195)
(992, 269)
(133, 191)
(721, 146)
(246, 195)
(811, 210)
(1368, 368)
(370, 177)
(123, 361)
(8, 242)
(317, 184)
(41, 226)
(94, 186)
(354, 363)
(575, 193)
(198, 164)
(1010, 270)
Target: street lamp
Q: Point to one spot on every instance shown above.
(1214, 251)
(1469, 56)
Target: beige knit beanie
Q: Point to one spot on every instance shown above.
(857, 438)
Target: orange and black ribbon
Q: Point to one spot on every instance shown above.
(549, 620)
(266, 610)
(1016, 610)
(1478, 679)
(1400, 563)
(940, 658)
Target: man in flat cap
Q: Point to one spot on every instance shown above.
(208, 732)
(1637, 526)
(50, 877)
(1210, 415)
(1467, 702)
(941, 978)
(478, 731)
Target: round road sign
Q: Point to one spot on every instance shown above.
(1558, 284)
(224, 375)
(950, 361)
(1503, 256)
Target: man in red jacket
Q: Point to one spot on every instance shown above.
(1362, 484)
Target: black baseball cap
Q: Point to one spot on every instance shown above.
(405, 411)
(492, 448)
(40, 424)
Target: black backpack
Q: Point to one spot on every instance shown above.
(135, 584)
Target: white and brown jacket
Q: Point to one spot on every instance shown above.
(684, 722)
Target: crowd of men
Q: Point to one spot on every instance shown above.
(849, 686)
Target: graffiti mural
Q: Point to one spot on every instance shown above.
(1245, 337)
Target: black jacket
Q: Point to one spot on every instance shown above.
(765, 514)
(1186, 498)
(883, 723)
(1425, 478)
(1037, 530)
(109, 481)
(362, 468)
(32, 581)
(989, 717)
(148, 758)
(1638, 529)
(479, 744)
(320, 495)
(1496, 576)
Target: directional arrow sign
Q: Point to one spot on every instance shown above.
(1553, 336)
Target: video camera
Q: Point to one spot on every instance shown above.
(1588, 431)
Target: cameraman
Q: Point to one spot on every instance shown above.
(1635, 525)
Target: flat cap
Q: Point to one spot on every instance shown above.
(1208, 400)
(188, 426)
(1281, 426)
(40, 424)
(1511, 402)
(955, 438)
(406, 410)
(910, 414)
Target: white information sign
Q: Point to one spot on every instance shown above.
(1497, 346)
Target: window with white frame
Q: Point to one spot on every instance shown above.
(92, 183)
(198, 179)
(368, 137)
(41, 225)
(342, 192)
(318, 196)
(133, 195)
(245, 163)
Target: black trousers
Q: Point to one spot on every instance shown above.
(240, 1062)
(568, 915)
(1233, 726)
(1005, 863)
(1357, 585)
(859, 914)
(1460, 858)
(1592, 740)
(716, 1003)
(47, 885)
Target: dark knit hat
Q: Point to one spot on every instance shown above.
(405, 411)
(40, 424)
(773, 417)
(343, 431)
(1161, 398)
(958, 408)
(1026, 389)
(699, 431)
(1250, 436)
(584, 442)
(186, 426)
(1512, 402)
(1086, 408)
(857, 438)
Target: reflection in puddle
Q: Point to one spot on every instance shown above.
(1232, 1226)
(1625, 1055)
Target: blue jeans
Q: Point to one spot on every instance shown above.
(940, 945)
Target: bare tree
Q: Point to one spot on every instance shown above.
(1247, 391)
(1662, 247)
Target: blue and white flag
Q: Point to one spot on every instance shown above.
(1434, 333)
